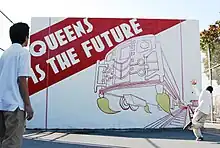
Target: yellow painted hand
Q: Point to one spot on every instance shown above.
(163, 101)
(103, 104)
(147, 108)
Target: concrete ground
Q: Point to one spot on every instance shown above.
(166, 138)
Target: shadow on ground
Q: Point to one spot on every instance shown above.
(47, 144)
(175, 134)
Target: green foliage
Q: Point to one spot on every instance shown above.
(210, 39)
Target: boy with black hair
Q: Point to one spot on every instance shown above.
(14, 95)
(201, 113)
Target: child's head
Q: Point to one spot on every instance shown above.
(210, 89)
(19, 33)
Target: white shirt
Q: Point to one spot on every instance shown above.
(14, 62)
(205, 102)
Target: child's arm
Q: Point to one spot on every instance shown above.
(23, 75)
(23, 87)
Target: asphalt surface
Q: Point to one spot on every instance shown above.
(169, 138)
(45, 144)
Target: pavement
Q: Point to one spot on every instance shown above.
(212, 128)
(149, 138)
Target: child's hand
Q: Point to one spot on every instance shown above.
(29, 111)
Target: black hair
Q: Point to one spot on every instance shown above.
(18, 32)
(210, 89)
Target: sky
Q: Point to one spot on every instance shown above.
(206, 11)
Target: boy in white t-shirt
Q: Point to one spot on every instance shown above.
(201, 112)
(14, 95)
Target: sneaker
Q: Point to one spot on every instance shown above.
(199, 139)
(187, 126)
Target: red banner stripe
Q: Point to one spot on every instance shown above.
(100, 25)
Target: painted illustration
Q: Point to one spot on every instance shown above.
(125, 72)
(137, 63)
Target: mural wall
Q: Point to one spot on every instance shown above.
(114, 72)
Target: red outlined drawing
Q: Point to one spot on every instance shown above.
(138, 62)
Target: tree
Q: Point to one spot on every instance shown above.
(209, 39)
